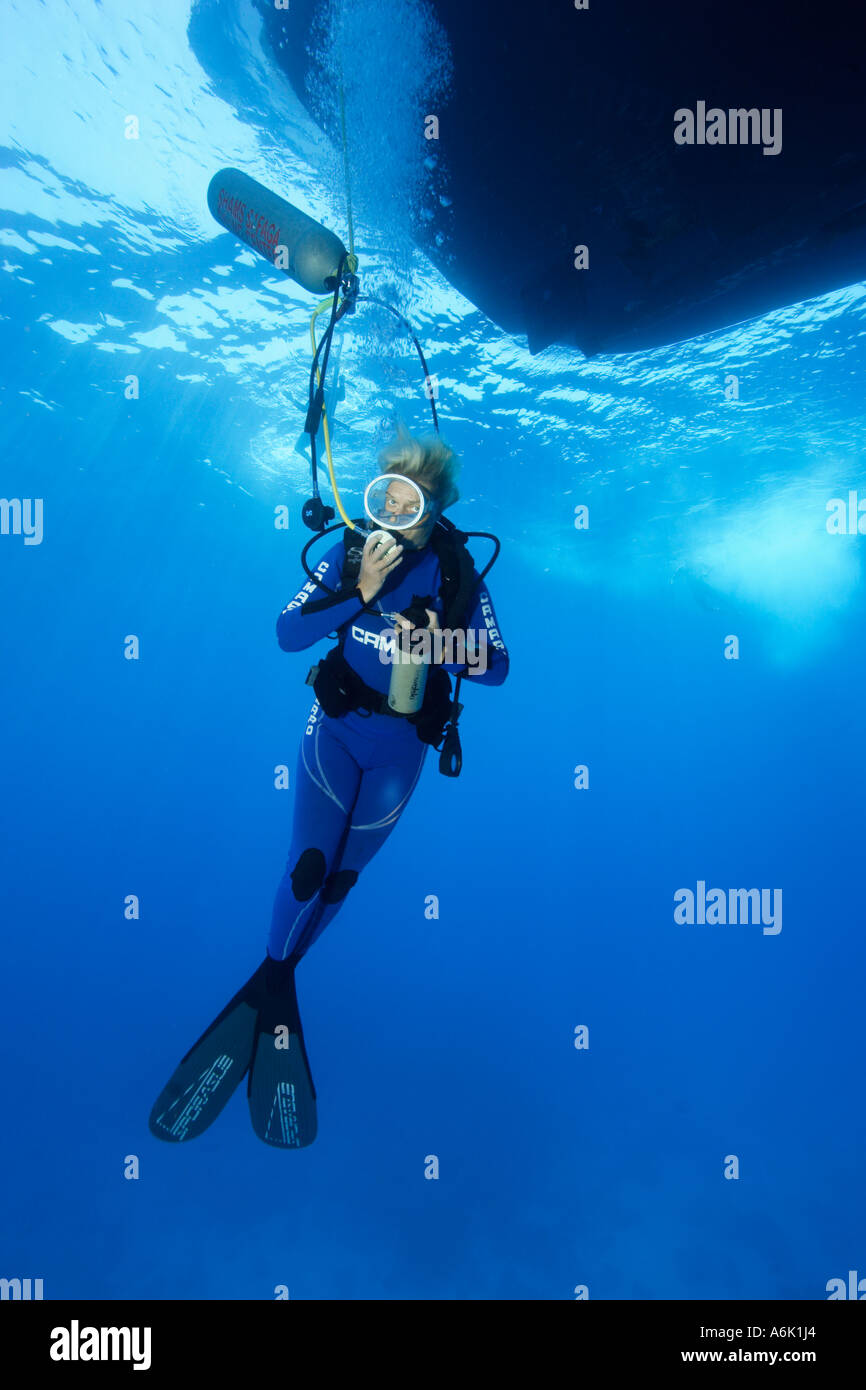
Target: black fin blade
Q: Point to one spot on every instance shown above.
(281, 1094)
(207, 1077)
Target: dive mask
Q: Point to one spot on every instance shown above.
(396, 502)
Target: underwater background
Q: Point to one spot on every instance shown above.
(706, 468)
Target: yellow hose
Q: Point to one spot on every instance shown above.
(327, 304)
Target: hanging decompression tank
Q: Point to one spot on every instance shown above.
(293, 242)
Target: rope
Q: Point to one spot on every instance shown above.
(330, 305)
(346, 171)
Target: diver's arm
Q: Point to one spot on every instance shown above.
(299, 627)
(483, 621)
(315, 610)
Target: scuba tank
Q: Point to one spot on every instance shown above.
(408, 682)
(293, 242)
(408, 671)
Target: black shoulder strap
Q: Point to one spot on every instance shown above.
(353, 549)
(349, 572)
(456, 568)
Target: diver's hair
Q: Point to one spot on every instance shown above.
(428, 461)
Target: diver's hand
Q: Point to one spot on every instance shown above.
(432, 621)
(381, 555)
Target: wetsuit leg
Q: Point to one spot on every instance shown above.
(391, 771)
(355, 777)
(326, 785)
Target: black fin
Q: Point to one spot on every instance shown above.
(211, 1071)
(281, 1094)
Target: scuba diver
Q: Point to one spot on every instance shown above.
(360, 758)
(401, 592)
(358, 764)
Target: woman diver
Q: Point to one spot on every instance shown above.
(360, 758)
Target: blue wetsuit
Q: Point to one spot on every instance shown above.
(355, 773)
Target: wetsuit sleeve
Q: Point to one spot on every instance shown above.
(488, 662)
(299, 627)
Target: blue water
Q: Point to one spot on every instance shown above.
(559, 1167)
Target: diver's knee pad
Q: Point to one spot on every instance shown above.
(337, 885)
(308, 874)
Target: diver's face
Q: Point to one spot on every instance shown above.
(401, 501)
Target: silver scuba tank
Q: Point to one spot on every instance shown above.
(409, 668)
(408, 677)
(293, 242)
